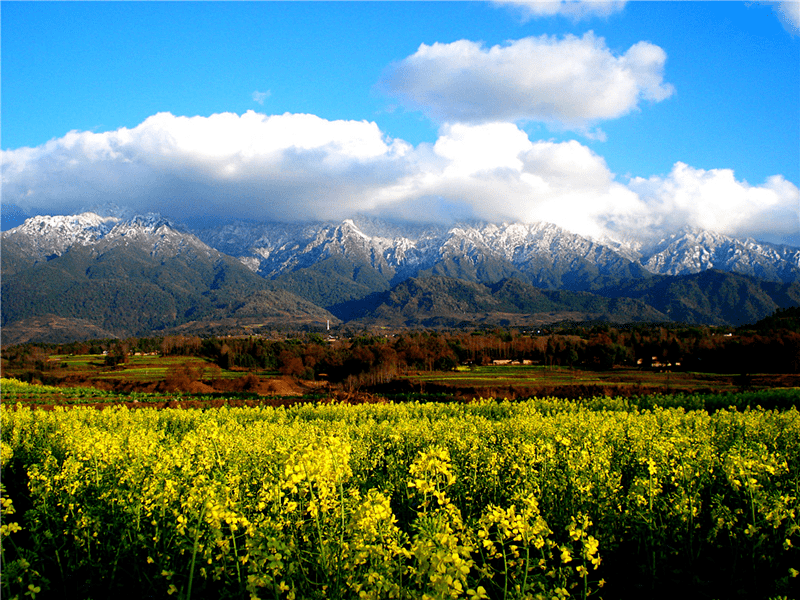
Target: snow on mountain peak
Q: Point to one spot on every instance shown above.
(396, 248)
(693, 250)
(349, 226)
(45, 236)
(61, 225)
(49, 235)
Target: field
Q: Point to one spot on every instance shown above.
(543, 498)
(157, 378)
(137, 369)
(152, 379)
(523, 376)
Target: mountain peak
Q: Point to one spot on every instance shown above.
(349, 226)
(542, 253)
(152, 221)
(46, 236)
(52, 235)
(692, 250)
(65, 224)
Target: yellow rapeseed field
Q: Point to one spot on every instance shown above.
(537, 499)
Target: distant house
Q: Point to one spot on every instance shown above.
(509, 361)
(655, 363)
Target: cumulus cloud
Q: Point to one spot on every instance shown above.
(573, 9)
(290, 166)
(715, 200)
(495, 173)
(570, 82)
(300, 167)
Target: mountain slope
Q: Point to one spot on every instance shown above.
(145, 274)
(693, 251)
(712, 297)
(541, 254)
(140, 276)
(358, 257)
(445, 301)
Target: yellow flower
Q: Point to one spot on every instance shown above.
(478, 594)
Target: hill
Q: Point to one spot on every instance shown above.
(136, 283)
(446, 301)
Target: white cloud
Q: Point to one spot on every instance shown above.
(290, 166)
(789, 14)
(296, 167)
(717, 201)
(494, 172)
(570, 82)
(574, 9)
(474, 149)
(261, 96)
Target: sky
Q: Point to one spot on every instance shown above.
(612, 119)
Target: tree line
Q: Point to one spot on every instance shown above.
(377, 358)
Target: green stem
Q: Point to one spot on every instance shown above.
(527, 567)
(6, 584)
(236, 559)
(60, 569)
(319, 527)
(505, 573)
(341, 533)
(585, 579)
(194, 552)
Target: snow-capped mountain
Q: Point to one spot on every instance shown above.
(543, 252)
(146, 273)
(45, 237)
(160, 236)
(694, 250)
(274, 248)
(399, 251)
(85, 275)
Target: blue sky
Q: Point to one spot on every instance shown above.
(602, 117)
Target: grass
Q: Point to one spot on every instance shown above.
(141, 369)
(143, 373)
(539, 375)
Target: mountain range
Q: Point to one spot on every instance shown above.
(66, 277)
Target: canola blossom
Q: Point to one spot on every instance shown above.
(537, 499)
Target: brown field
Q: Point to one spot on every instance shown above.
(162, 381)
(156, 381)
